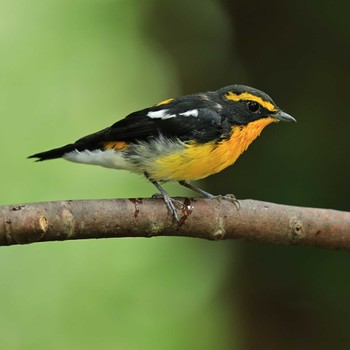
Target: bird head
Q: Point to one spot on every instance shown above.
(243, 104)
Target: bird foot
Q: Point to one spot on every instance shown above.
(229, 197)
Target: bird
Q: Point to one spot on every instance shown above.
(180, 139)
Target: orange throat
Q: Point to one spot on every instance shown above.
(243, 136)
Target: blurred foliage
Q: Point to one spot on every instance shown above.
(69, 68)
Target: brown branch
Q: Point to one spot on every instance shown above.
(200, 218)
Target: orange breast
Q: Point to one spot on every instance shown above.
(198, 161)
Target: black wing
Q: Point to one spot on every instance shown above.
(187, 118)
(179, 119)
(139, 126)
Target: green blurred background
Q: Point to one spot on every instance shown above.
(69, 68)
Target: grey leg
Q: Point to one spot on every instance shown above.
(167, 199)
(229, 197)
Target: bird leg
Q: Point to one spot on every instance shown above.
(167, 199)
(229, 197)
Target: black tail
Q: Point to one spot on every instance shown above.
(54, 153)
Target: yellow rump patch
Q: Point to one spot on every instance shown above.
(165, 102)
(245, 96)
(197, 161)
(116, 145)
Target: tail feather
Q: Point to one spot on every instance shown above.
(53, 153)
(89, 142)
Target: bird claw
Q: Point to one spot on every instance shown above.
(170, 203)
(231, 198)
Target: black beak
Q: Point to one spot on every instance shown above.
(283, 117)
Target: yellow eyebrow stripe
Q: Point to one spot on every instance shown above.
(165, 102)
(246, 96)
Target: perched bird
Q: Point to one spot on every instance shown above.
(179, 139)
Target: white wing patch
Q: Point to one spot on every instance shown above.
(162, 114)
(190, 113)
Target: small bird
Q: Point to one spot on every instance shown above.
(179, 139)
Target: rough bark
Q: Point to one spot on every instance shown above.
(199, 218)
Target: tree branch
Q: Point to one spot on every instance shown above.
(200, 218)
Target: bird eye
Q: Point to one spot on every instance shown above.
(253, 106)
